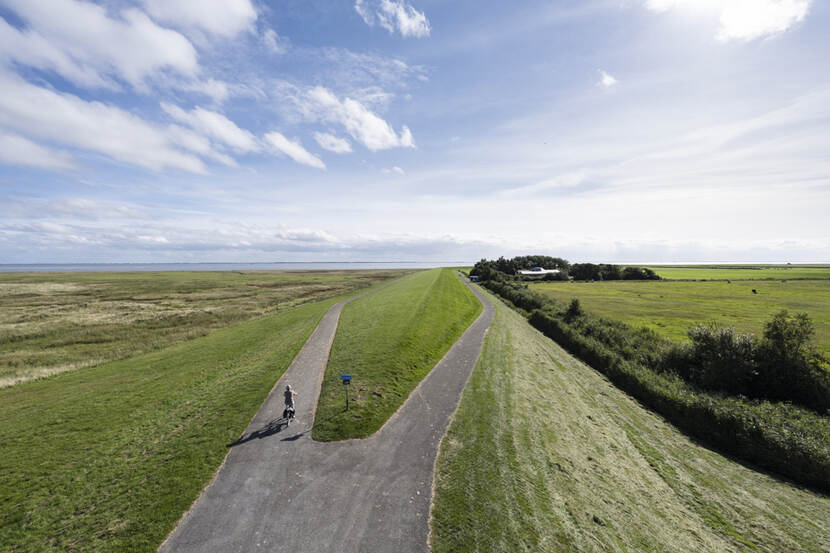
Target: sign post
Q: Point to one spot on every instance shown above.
(346, 378)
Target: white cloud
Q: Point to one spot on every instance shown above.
(16, 150)
(564, 184)
(30, 48)
(394, 15)
(92, 126)
(197, 143)
(81, 42)
(85, 209)
(393, 171)
(363, 125)
(607, 80)
(332, 143)
(294, 150)
(365, 12)
(749, 20)
(216, 126)
(217, 90)
(368, 78)
(769, 139)
(275, 43)
(224, 18)
(743, 19)
(373, 97)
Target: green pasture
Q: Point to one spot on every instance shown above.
(544, 454)
(57, 322)
(389, 341)
(672, 307)
(109, 457)
(742, 272)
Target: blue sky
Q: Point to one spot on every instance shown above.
(418, 130)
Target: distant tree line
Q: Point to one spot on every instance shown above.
(501, 268)
(604, 271)
(765, 399)
(520, 263)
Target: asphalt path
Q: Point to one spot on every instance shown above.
(279, 490)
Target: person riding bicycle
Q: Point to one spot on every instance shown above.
(289, 401)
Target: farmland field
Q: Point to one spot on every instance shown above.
(742, 272)
(672, 307)
(56, 322)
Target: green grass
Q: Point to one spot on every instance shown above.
(389, 341)
(742, 272)
(671, 308)
(107, 459)
(57, 322)
(544, 454)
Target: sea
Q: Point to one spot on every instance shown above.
(283, 266)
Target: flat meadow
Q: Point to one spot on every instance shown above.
(742, 272)
(745, 298)
(58, 322)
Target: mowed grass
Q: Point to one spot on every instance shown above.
(389, 341)
(544, 454)
(108, 458)
(742, 272)
(671, 308)
(57, 322)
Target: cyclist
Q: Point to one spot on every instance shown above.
(289, 402)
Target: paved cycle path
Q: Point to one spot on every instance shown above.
(279, 490)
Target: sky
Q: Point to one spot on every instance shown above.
(614, 131)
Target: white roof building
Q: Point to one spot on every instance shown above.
(539, 271)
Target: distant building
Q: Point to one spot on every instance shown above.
(539, 271)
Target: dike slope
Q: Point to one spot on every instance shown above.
(545, 454)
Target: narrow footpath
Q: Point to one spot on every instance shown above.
(279, 490)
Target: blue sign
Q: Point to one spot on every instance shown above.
(345, 378)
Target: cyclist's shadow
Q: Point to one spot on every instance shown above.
(273, 427)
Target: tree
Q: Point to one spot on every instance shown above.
(790, 368)
(585, 271)
(574, 310)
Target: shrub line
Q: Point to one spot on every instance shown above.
(780, 437)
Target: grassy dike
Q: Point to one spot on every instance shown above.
(389, 341)
(544, 454)
(108, 458)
